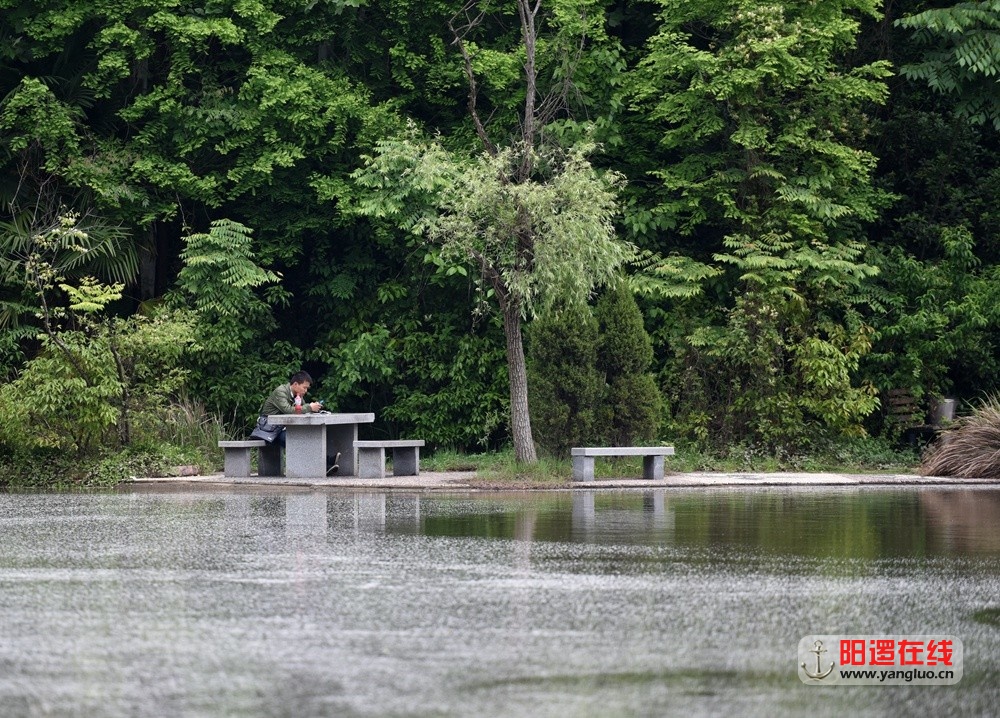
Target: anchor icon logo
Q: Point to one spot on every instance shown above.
(820, 674)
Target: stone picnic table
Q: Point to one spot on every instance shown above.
(313, 441)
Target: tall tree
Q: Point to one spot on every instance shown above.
(543, 241)
(761, 176)
(535, 221)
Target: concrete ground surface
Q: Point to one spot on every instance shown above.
(469, 481)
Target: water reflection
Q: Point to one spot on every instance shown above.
(852, 522)
(649, 519)
(963, 521)
(846, 523)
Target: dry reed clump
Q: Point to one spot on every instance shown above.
(970, 448)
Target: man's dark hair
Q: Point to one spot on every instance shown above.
(300, 377)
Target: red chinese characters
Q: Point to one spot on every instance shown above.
(892, 652)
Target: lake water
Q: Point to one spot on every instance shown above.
(687, 602)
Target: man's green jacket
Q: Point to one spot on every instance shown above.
(282, 401)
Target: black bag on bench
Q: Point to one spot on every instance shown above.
(264, 430)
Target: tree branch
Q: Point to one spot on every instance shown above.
(527, 11)
(470, 75)
(490, 273)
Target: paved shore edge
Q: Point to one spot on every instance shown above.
(469, 481)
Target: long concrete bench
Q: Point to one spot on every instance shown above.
(405, 457)
(652, 459)
(236, 458)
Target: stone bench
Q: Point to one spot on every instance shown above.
(405, 457)
(652, 459)
(236, 461)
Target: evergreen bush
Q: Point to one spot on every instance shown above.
(632, 405)
(565, 387)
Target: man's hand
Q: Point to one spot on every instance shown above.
(315, 406)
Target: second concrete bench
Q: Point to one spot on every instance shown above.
(652, 459)
(405, 457)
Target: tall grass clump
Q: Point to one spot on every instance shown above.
(189, 423)
(970, 448)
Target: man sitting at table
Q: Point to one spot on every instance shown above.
(285, 399)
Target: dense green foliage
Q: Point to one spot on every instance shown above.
(219, 282)
(770, 183)
(960, 56)
(566, 388)
(197, 199)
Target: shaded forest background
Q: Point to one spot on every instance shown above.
(805, 195)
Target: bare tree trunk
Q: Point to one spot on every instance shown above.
(520, 419)
(527, 12)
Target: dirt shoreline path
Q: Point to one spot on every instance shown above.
(469, 481)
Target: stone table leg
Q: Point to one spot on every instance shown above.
(340, 439)
(305, 452)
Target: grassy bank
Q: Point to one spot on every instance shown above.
(867, 456)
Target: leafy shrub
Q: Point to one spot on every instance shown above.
(448, 389)
(771, 376)
(64, 399)
(90, 387)
(937, 328)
